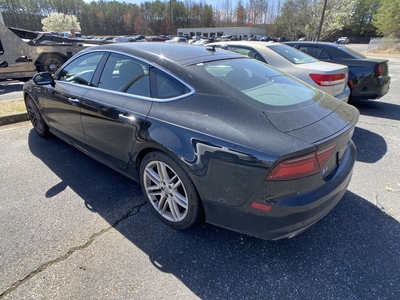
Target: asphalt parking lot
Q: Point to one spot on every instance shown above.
(73, 229)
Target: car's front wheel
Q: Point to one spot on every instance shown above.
(170, 191)
(36, 118)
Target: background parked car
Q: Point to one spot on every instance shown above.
(208, 133)
(331, 78)
(368, 77)
(267, 39)
(343, 40)
(202, 42)
(225, 38)
(157, 39)
(177, 39)
(194, 39)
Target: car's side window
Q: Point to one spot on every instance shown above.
(164, 86)
(313, 51)
(258, 57)
(81, 69)
(126, 74)
(324, 55)
(316, 52)
(243, 51)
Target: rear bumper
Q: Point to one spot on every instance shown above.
(344, 96)
(372, 89)
(288, 216)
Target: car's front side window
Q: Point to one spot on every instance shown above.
(81, 69)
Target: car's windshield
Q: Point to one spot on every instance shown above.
(259, 82)
(293, 55)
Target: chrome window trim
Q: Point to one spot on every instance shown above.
(192, 90)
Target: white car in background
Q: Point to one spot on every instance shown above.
(330, 78)
(177, 39)
(343, 40)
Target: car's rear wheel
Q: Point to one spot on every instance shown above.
(36, 118)
(170, 191)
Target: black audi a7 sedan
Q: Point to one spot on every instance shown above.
(210, 135)
(368, 77)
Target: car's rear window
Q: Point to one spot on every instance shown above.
(353, 52)
(259, 82)
(293, 55)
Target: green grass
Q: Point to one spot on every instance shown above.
(8, 107)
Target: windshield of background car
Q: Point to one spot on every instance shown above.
(259, 82)
(293, 55)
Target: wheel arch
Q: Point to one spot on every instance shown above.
(50, 54)
(158, 147)
(46, 55)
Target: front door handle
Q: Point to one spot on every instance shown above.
(73, 101)
(126, 119)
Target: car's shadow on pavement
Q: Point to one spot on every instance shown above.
(371, 147)
(353, 253)
(378, 109)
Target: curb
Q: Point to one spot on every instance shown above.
(13, 118)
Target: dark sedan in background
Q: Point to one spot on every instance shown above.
(368, 77)
(209, 134)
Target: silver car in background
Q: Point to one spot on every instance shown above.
(330, 78)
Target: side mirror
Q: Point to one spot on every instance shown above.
(43, 78)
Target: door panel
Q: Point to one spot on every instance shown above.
(112, 113)
(62, 107)
(62, 102)
(111, 121)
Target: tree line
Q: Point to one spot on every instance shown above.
(280, 18)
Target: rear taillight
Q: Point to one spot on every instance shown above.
(378, 71)
(351, 84)
(328, 79)
(302, 166)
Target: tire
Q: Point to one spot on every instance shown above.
(50, 63)
(37, 121)
(170, 191)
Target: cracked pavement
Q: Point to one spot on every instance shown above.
(135, 210)
(73, 229)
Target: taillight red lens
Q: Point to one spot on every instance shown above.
(328, 79)
(324, 154)
(298, 167)
(378, 71)
(261, 206)
(302, 166)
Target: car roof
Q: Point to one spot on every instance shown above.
(164, 53)
(325, 44)
(254, 44)
(338, 48)
(312, 42)
(261, 47)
